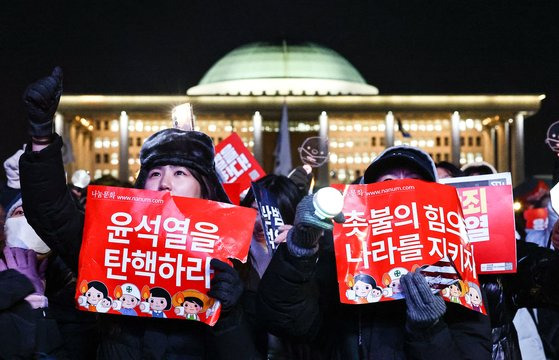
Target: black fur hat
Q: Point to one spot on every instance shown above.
(192, 149)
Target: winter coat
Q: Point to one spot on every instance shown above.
(53, 214)
(298, 298)
(25, 332)
(534, 285)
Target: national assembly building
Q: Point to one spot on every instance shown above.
(246, 90)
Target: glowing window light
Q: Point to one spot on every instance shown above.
(349, 144)
(114, 173)
(229, 128)
(139, 126)
(333, 158)
(366, 128)
(334, 144)
(374, 128)
(421, 127)
(147, 127)
(438, 127)
(479, 157)
(357, 159)
(316, 127)
(478, 125)
(106, 143)
(422, 143)
(114, 125)
(357, 127)
(251, 143)
(97, 174)
(341, 160)
(98, 143)
(429, 127)
(469, 124)
(381, 127)
(114, 143)
(106, 172)
(413, 126)
(212, 128)
(342, 128)
(349, 128)
(155, 128)
(333, 127)
(462, 125)
(349, 160)
(397, 142)
(430, 143)
(414, 143)
(130, 161)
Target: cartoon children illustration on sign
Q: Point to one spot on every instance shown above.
(190, 303)
(363, 289)
(391, 281)
(94, 296)
(473, 297)
(128, 297)
(158, 300)
(456, 291)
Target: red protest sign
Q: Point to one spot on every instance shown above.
(147, 253)
(394, 227)
(235, 164)
(489, 216)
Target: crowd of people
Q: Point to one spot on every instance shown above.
(281, 305)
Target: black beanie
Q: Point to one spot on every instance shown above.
(191, 149)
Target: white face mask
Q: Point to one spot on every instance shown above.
(21, 235)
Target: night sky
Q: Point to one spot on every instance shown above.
(165, 47)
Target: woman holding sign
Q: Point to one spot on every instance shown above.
(180, 162)
(298, 295)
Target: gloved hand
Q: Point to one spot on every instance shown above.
(302, 177)
(226, 285)
(41, 100)
(424, 309)
(25, 261)
(302, 239)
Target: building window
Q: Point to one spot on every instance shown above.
(106, 158)
(446, 141)
(438, 141)
(98, 158)
(373, 141)
(382, 141)
(438, 157)
(462, 141)
(105, 125)
(446, 158)
(130, 141)
(98, 125)
(470, 141)
(478, 140)
(138, 141)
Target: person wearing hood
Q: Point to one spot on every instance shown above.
(298, 294)
(181, 162)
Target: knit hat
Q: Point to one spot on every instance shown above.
(191, 149)
(403, 155)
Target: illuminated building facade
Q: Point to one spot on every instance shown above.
(325, 95)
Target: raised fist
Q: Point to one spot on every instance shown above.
(41, 101)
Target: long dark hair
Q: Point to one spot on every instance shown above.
(284, 190)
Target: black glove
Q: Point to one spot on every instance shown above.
(41, 100)
(300, 177)
(226, 285)
(424, 309)
(302, 238)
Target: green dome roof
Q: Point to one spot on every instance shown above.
(265, 68)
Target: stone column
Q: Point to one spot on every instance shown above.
(455, 138)
(518, 153)
(389, 129)
(123, 147)
(257, 136)
(323, 178)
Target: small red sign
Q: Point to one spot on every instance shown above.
(235, 164)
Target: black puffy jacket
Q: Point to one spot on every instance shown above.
(298, 299)
(534, 285)
(53, 214)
